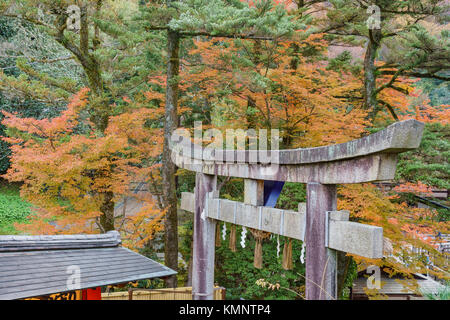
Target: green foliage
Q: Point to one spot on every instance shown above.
(14, 35)
(12, 208)
(220, 17)
(442, 214)
(235, 270)
(185, 232)
(443, 294)
(185, 182)
(344, 63)
(233, 190)
(438, 91)
(292, 194)
(352, 274)
(430, 162)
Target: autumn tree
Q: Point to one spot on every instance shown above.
(252, 83)
(112, 61)
(66, 172)
(21, 41)
(410, 246)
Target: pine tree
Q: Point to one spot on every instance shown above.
(401, 46)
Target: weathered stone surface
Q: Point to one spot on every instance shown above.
(351, 237)
(248, 216)
(359, 170)
(187, 201)
(343, 215)
(228, 210)
(254, 192)
(204, 240)
(369, 159)
(302, 207)
(294, 224)
(396, 138)
(321, 263)
(356, 238)
(272, 220)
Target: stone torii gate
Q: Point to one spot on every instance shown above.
(324, 230)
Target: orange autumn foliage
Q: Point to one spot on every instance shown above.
(66, 170)
(307, 102)
(409, 102)
(408, 230)
(418, 188)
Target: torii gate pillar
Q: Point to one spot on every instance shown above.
(321, 264)
(204, 240)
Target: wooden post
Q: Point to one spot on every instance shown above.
(130, 294)
(204, 240)
(320, 261)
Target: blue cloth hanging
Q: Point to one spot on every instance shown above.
(272, 191)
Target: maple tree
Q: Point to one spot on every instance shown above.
(108, 51)
(253, 84)
(410, 246)
(67, 172)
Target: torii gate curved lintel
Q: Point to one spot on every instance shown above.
(374, 156)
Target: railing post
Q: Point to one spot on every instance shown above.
(320, 261)
(204, 240)
(130, 294)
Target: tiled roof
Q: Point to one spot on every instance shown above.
(40, 265)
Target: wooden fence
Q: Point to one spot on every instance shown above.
(183, 293)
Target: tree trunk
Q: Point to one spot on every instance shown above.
(343, 264)
(107, 209)
(168, 167)
(370, 77)
(189, 269)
